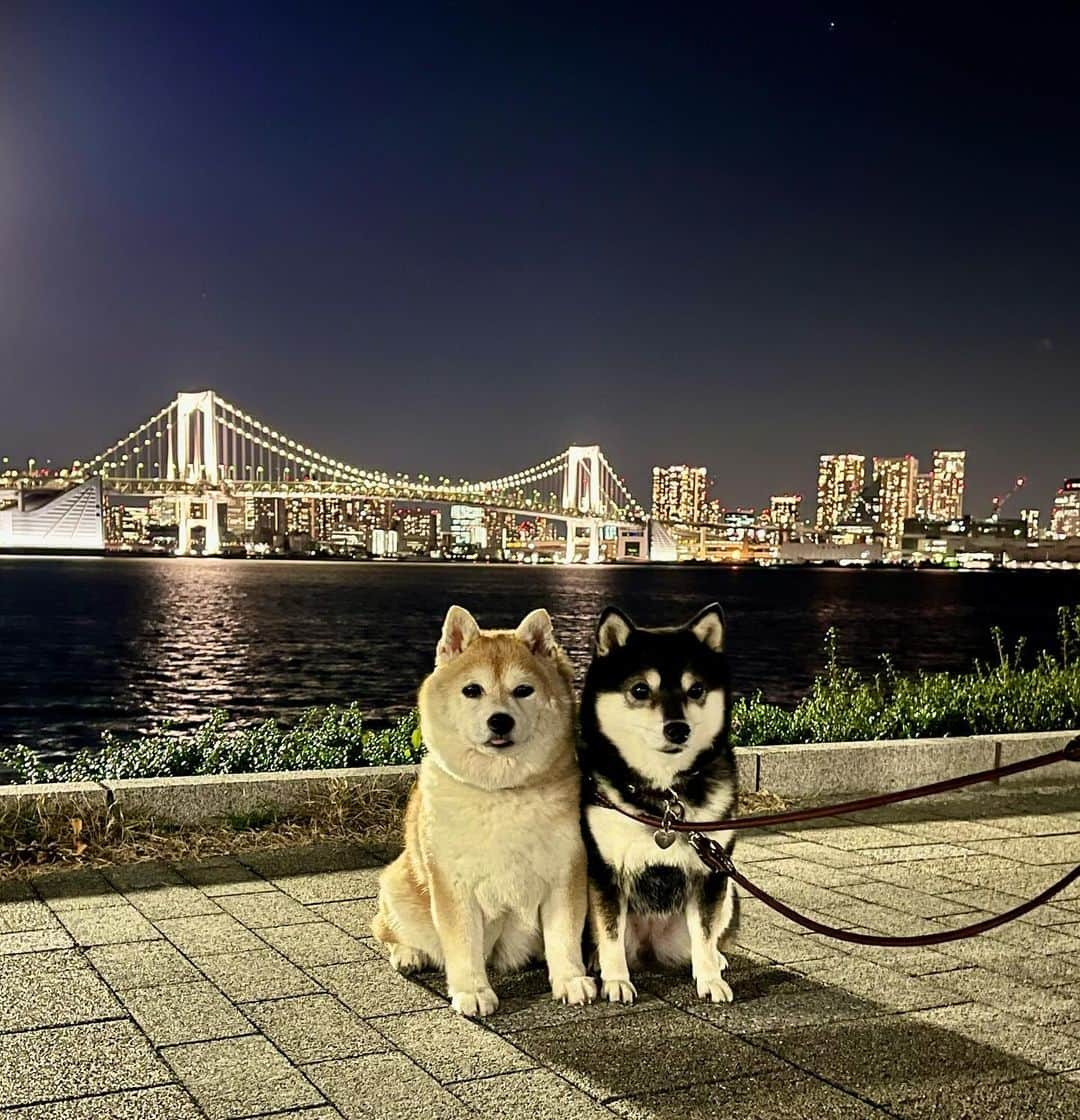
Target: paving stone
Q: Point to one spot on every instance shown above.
(222, 876)
(76, 890)
(315, 943)
(653, 1049)
(208, 934)
(168, 1103)
(880, 985)
(1048, 1098)
(142, 876)
(450, 1047)
(807, 871)
(240, 1077)
(15, 890)
(1034, 849)
(144, 964)
(907, 899)
(159, 902)
(995, 901)
(312, 859)
(179, 1013)
(1048, 1006)
(25, 914)
(819, 853)
(352, 917)
(108, 925)
(530, 1095)
(954, 832)
(374, 988)
(315, 1028)
(856, 838)
(332, 886)
(769, 1096)
(893, 1057)
(1048, 1048)
(525, 1002)
(46, 1065)
(1036, 824)
(271, 909)
(1041, 940)
(35, 941)
(915, 961)
(780, 944)
(999, 956)
(775, 1001)
(51, 990)
(385, 1087)
(915, 852)
(255, 975)
(307, 1114)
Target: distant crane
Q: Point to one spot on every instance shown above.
(999, 501)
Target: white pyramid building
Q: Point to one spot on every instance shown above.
(72, 520)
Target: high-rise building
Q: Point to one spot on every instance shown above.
(679, 494)
(784, 510)
(1065, 516)
(947, 486)
(924, 486)
(1030, 518)
(840, 482)
(896, 482)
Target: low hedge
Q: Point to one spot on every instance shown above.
(842, 705)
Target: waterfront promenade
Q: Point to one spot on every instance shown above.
(250, 987)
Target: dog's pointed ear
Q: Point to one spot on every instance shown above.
(459, 630)
(536, 631)
(708, 626)
(612, 631)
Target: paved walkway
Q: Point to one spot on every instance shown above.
(251, 987)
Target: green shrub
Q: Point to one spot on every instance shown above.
(842, 705)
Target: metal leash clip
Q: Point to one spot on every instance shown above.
(674, 809)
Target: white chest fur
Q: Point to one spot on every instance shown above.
(503, 847)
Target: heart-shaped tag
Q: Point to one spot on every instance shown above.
(664, 839)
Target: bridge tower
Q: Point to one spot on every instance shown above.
(193, 511)
(582, 486)
(196, 439)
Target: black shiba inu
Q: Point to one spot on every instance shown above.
(655, 713)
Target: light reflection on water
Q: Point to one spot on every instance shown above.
(90, 644)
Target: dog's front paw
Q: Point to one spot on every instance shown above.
(574, 990)
(715, 989)
(475, 1005)
(406, 959)
(618, 991)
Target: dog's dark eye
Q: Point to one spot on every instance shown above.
(472, 691)
(696, 691)
(524, 690)
(639, 691)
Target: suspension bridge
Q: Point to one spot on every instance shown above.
(202, 451)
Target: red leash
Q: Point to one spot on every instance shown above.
(717, 859)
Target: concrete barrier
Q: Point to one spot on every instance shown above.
(184, 801)
(807, 772)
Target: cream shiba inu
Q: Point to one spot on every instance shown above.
(493, 870)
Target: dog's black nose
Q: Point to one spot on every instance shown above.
(675, 731)
(501, 723)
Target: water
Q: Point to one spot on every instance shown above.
(89, 644)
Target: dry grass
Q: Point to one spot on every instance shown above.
(81, 834)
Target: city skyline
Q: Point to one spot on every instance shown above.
(453, 243)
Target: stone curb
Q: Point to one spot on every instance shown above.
(817, 771)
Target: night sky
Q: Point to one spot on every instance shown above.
(455, 239)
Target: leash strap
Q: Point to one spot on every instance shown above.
(1069, 753)
(714, 856)
(716, 859)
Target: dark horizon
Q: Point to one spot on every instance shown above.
(453, 241)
